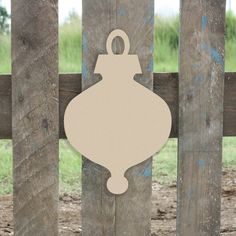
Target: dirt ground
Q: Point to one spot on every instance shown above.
(163, 210)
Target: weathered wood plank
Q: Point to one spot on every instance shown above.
(69, 87)
(133, 216)
(229, 113)
(201, 88)
(98, 205)
(5, 107)
(165, 84)
(103, 213)
(35, 117)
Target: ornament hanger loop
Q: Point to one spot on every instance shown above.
(112, 36)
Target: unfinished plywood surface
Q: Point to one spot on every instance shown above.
(130, 126)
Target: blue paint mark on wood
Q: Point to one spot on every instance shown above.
(84, 71)
(196, 65)
(201, 163)
(121, 12)
(85, 44)
(216, 56)
(199, 78)
(150, 66)
(151, 20)
(152, 48)
(204, 23)
(147, 172)
(204, 46)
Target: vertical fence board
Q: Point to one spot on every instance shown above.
(35, 116)
(102, 212)
(98, 205)
(133, 208)
(201, 86)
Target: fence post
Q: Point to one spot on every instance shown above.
(201, 86)
(35, 116)
(102, 212)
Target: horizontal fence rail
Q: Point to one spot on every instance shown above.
(165, 85)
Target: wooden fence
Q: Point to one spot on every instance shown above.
(33, 100)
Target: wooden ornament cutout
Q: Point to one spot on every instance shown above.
(117, 123)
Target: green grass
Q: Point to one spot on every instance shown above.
(70, 168)
(166, 60)
(229, 152)
(230, 53)
(5, 54)
(5, 167)
(165, 51)
(166, 44)
(164, 164)
(70, 42)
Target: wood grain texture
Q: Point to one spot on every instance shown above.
(229, 124)
(133, 216)
(164, 84)
(201, 88)
(103, 213)
(98, 205)
(69, 87)
(5, 107)
(35, 117)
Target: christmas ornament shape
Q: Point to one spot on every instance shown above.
(117, 123)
